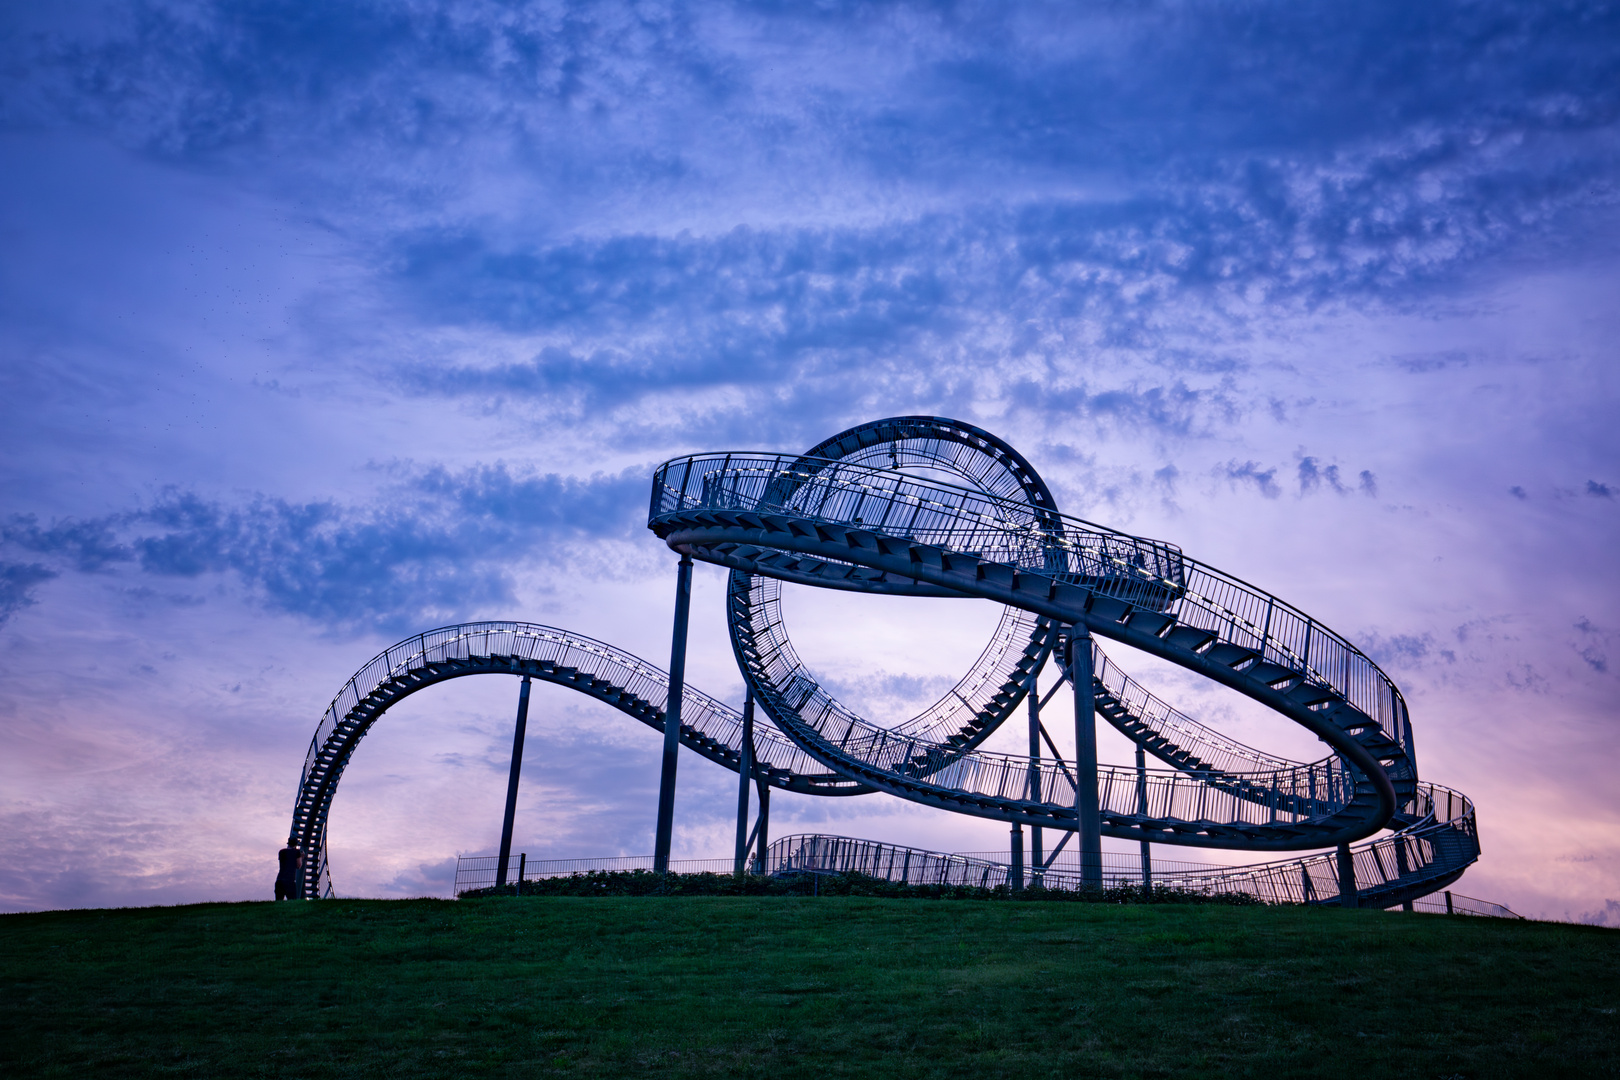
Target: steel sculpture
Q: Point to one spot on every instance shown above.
(927, 506)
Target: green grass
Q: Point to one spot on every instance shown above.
(800, 987)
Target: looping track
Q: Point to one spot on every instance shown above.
(934, 507)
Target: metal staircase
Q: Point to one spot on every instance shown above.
(933, 507)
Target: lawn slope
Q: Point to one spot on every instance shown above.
(800, 987)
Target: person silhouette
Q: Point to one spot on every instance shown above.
(292, 860)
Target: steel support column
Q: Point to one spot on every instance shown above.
(1035, 853)
(672, 716)
(512, 782)
(1088, 834)
(745, 778)
(1015, 870)
(1347, 877)
(762, 826)
(1142, 810)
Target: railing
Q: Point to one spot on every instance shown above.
(817, 854)
(386, 673)
(1290, 795)
(562, 649)
(1450, 903)
(1188, 735)
(1311, 880)
(972, 693)
(1123, 864)
(771, 651)
(1138, 571)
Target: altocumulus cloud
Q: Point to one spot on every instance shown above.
(437, 544)
(1267, 154)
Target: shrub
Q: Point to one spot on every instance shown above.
(646, 883)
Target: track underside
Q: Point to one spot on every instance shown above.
(864, 511)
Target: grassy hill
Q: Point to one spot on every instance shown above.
(800, 987)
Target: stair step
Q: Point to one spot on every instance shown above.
(1229, 654)
(1149, 622)
(1191, 638)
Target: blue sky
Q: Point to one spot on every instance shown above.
(323, 324)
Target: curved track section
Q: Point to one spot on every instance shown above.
(549, 654)
(933, 507)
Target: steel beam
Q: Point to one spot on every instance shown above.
(1347, 877)
(745, 778)
(1087, 812)
(1015, 869)
(1035, 856)
(762, 827)
(512, 782)
(672, 716)
(1142, 809)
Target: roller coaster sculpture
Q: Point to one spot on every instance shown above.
(927, 506)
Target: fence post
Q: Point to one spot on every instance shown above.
(523, 867)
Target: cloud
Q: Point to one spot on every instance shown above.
(1313, 474)
(1237, 160)
(435, 545)
(17, 581)
(88, 545)
(1592, 645)
(1598, 491)
(1249, 472)
(1420, 363)
(1409, 651)
(1607, 915)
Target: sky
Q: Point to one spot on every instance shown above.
(324, 324)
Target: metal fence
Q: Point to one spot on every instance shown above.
(1450, 903)
(816, 854)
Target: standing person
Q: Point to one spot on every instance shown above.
(292, 860)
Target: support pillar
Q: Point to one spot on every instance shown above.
(762, 826)
(745, 779)
(512, 782)
(1347, 877)
(1142, 811)
(1036, 855)
(1015, 870)
(1087, 812)
(672, 716)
